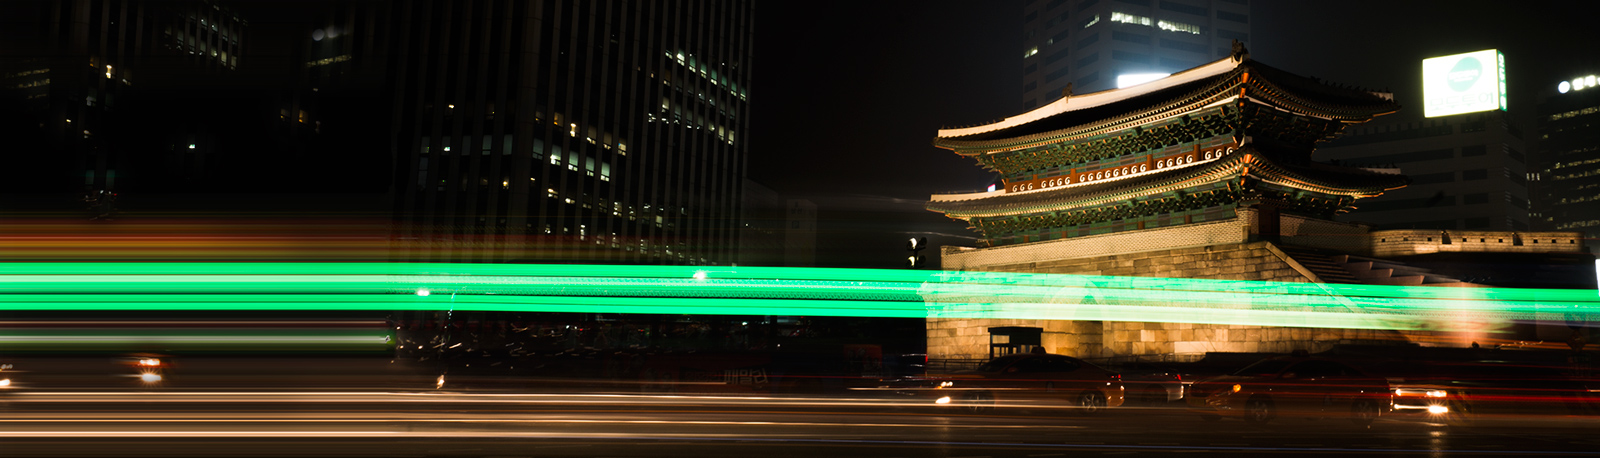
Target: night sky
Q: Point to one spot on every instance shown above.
(849, 95)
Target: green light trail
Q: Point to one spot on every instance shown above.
(766, 291)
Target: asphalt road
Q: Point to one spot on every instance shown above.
(441, 424)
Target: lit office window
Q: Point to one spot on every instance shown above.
(1178, 27)
(1126, 18)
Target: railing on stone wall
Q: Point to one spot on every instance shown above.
(1128, 359)
(948, 365)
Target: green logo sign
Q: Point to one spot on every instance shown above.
(1465, 74)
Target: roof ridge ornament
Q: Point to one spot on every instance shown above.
(1239, 54)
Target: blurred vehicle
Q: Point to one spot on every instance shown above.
(1151, 384)
(147, 370)
(10, 382)
(1461, 394)
(1314, 387)
(1030, 380)
(8, 372)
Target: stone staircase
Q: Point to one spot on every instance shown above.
(1335, 267)
(1327, 265)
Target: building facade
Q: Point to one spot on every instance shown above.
(1566, 180)
(1085, 45)
(1468, 172)
(776, 231)
(87, 86)
(572, 131)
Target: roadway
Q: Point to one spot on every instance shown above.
(482, 424)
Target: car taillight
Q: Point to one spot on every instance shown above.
(1178, 377)
(1117, 377)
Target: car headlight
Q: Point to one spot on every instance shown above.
(5, 383)
(1237, 387)
(946, 384)
(943, 400)
(1435, 393)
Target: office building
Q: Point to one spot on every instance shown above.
(1566, 181)
(1467, 172)
(1088, 45)
(87, 89)
(776, 231)
(571, 131)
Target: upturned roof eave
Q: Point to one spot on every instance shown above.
(1237, 166)
(1281, 95)
(1072, 103)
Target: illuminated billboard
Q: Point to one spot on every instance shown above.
(1464, 83)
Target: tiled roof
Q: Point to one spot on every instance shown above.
(1247, 162)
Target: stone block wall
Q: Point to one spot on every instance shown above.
(1320, 233)
(968, 338)
(1408, 242)
(1094, 246)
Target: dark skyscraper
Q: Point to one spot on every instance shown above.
(1090, 43)
(1467, 172)
(571, 131)
(191, 106)
(1567, 182)
(88, 89)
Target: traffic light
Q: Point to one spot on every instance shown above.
(915, 246)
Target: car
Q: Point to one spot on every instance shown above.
(10, 382)
(1461, 394)
(7, 372)
(1151, 384)
(148, 370)
(1296, 385)
(1030, 380)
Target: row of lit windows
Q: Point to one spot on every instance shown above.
(194, 42)
(1578, 200)
(1583, 174)
(37, 71)
(617, 209)
(329, 61)
(711, 75)
(1559, 165)
(573, 157)
(642, 245)
(697, 121)
(591, 134)
(1166, 25)
(30, 84)
(1578, 224)
(1575, 113)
